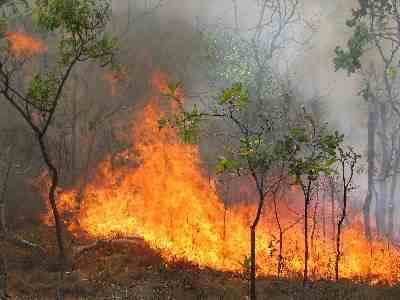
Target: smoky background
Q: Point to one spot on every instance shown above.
(169, 36)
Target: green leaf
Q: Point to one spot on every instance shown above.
(163, 122)
(225, 165)
(236, 95)
(391, 72)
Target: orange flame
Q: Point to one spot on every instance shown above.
(22, 45)
(165, 198)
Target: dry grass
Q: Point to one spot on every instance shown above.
(134, 271)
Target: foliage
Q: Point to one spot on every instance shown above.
(232, 60)
(349, 59)
(311, 151)
(42, 89)
(235, 95)
(82, 24)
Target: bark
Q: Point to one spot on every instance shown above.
(380, 209)
(253, 295)
(392, 196)
(280, 257)
(392, 202)
(307, 199)
(314, 224)
(59, 295)
(371, 166)
(53, 200)
(3, 231)
(339, 232)
(74, 133)
(381, 200)
(333, 208)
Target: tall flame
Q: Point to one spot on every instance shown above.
(23, 45)
(164, 197)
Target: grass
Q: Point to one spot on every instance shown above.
(134, 271)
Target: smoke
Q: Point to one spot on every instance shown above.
(164, 35)
(175, 24)
(313, 63)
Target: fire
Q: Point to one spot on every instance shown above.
(22, 45)
(113, 78)
(164, 197)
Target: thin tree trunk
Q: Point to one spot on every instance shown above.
(380, 209)
(57, 220)
(333, 194)
(324, 218)
(253, 294)
(307, 194)
(315, 223)
(53, 199)
(371, 166)
(74, 132)
(280, 257)
(339, 231)
(3, 232)
(392, 203)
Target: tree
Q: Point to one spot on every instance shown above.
(375, 36)
(255, 156)
(253, 149)
(311, 152)
(81, 32)
(347, 160)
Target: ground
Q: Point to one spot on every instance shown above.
(129, 269)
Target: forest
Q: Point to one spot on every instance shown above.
(183, 149)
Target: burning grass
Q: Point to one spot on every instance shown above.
(166, 200)
(119, 270)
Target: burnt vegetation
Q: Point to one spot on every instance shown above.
(153, 150)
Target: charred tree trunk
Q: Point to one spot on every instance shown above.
(371, 166)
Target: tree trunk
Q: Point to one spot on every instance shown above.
(380, 209)
(392, 203)
(253, 294)
(74, 132)
(333, 194)
(339, 232)
(381, 200)
(306, 253)
(393, 188)
(371, 166)
(57, 220)
(307, 195)
(52, 197)
(280, 257)
(4, 230)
